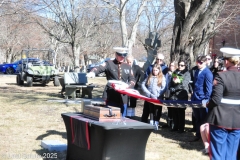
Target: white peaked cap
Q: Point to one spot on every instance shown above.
(230, 52)
(121, 49)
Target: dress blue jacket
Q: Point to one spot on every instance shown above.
(203, 84)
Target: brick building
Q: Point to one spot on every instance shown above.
(228, 34)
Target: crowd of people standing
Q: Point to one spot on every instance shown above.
(176, 82)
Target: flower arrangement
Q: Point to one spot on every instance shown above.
(177, 78)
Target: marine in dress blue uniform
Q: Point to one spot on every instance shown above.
(224, 109)
(116, 70)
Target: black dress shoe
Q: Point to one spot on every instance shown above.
(195, 139)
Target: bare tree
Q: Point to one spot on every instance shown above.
(17, 32)
(128, 40)
(194, 26)
(158, 21)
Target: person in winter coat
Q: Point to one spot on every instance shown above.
(172, 68)
(179, 91)
(217, 66)
(159, 61)
(153, 87)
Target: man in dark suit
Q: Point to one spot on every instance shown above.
(138, 75)
(203, 83)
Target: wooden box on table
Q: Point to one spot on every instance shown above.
(102, 113)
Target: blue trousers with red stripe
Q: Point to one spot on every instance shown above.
(223, 143)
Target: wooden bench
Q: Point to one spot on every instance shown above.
(77, 81)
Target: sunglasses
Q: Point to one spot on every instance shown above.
(121, 54)
(209, 59)
(199, 62)
(181, 65)
(158, 59)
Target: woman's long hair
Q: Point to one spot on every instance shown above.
(220, 63)
(159, 76)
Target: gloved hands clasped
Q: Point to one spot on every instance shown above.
(90, 75)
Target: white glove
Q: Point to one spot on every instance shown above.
(118, 84)
(90, 75)
(204, 103)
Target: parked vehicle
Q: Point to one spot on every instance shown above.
(9, 68)
(91, 66)
(36, 70)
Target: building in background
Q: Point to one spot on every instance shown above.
(228, 34)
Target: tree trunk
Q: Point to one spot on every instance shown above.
(123, 23)
(193, 27)
(9, 54)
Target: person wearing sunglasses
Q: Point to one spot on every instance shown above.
(202, 90)
(209, 61)
(116, 69)
(159, 60)
(179, 91)
(224, 109)
(172, 68)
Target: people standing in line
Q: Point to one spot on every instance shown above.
(116, 69)
(224, 109)
(203, 83)
(153, 87)
(139, 76)
(172, 68)
(179, 91)
(159, 61)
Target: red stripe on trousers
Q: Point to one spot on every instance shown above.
(87, 136)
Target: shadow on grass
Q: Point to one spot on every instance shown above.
(97, 93)
(180, 138)
(52, 132)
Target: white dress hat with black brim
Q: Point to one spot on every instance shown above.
(121, 51)
(230, 52)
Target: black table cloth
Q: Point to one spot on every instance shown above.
(88, 139)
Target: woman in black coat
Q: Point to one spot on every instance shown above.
(217, 66)
(179, 91)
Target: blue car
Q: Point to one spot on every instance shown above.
(11, 68)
